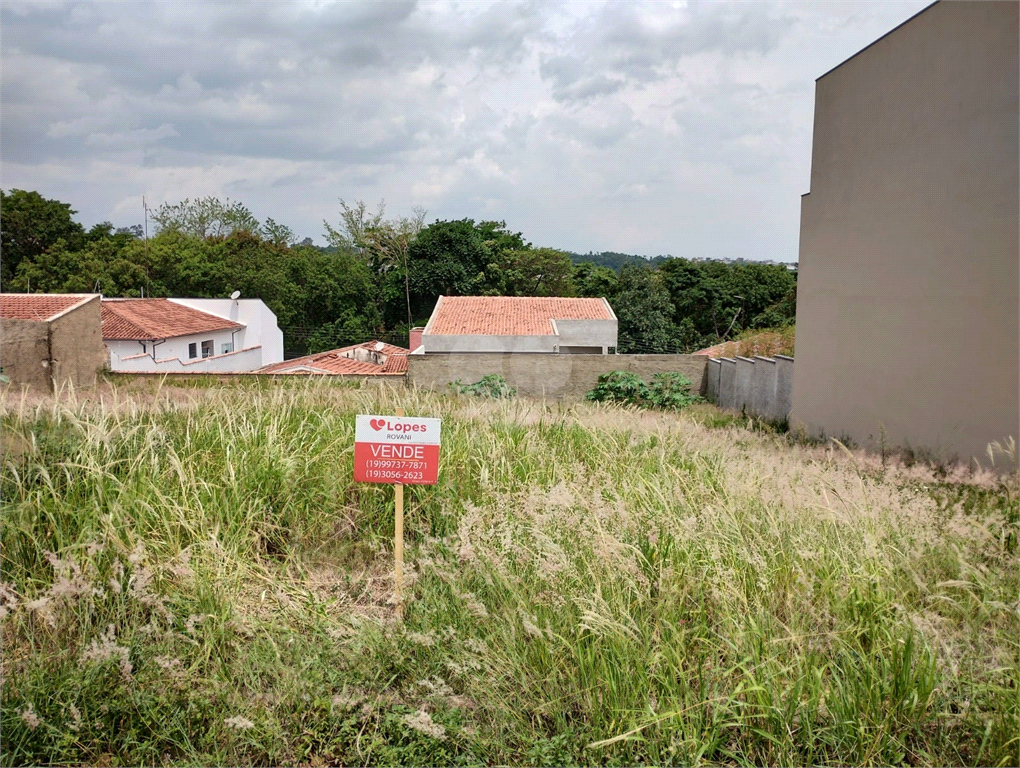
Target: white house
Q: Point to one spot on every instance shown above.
(520, 324)
(190, 335)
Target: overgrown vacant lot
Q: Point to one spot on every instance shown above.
(190, 576)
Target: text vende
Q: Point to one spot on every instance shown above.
(398, 451)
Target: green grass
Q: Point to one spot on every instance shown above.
(189, 576)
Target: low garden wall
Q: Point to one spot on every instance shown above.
(543, 374)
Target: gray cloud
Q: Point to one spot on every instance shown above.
(642, 126)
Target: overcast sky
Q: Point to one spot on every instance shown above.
(651, 128)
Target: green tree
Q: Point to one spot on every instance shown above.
(447, 258)
(644, 312)
(530, 272)
(176, 264)
(385, 244)
(595, 281)
(716, 300)
(277, 234)
(205, 217)
(98, 267)
(336, 285)
(30, 224)
(350, 328)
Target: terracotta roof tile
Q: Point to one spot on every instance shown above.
(39, 306)
(149, 319)
(396, 363)
(726, 349)
(510, 315)
(378, 346)
(335, 363)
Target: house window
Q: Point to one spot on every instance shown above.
(227, 348)
(207, 348)
(192, 351)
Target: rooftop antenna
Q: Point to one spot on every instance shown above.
(145, 223)
(235, 295)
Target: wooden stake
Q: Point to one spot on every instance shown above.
(398, 541)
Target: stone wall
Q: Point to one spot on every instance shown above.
(559, 376)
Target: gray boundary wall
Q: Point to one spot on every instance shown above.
(545, 374)
(712, 373)
(761, 387)
(727, 380)
(784, 388)
(742, 384)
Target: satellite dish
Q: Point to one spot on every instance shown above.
(235, 294)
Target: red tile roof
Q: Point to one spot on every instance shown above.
(335, 363)
(510, 315)
(726, 349)
(150, 319)
(39, 306)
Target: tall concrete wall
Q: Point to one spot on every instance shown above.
(76, 350)
(907, 297)
(25, 352)
(560, 376)
(44, 354)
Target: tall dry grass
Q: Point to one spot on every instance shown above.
(190, 576)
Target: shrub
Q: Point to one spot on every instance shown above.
(671, 391)
(492, 385)
(620, 387)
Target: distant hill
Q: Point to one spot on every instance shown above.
(615, 260)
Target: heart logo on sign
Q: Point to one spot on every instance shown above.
(377, 424)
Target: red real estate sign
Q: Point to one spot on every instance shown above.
(396, 449)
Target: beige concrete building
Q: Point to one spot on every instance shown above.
(907, 312)
(51, 340)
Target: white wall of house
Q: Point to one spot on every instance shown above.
(128, 355)
(261, 329)
(241, 361)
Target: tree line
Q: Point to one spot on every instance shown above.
(377, 276)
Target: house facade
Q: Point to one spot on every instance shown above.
(189, 335)
(520, 324)
(907, 301)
